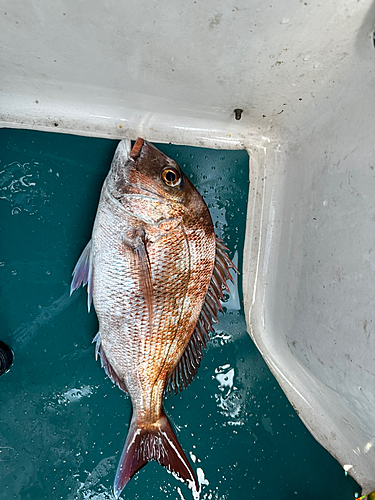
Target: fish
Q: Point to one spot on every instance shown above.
(156, 273)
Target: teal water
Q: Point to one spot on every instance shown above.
(62, 422)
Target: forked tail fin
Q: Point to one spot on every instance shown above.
(154, 442)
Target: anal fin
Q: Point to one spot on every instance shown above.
(107, 365)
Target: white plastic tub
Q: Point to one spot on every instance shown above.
(303, 74)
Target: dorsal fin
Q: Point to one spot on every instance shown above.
(188, 364)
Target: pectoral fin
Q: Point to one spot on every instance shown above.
(142, 266)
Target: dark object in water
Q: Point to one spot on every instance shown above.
(6, 357)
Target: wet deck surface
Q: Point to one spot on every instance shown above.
(62, 422)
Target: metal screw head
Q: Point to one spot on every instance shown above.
(238, 113)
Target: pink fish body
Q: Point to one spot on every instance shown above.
(155, 272)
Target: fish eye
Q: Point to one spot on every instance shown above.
(171, 177)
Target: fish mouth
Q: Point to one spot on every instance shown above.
(136, 150)
(142, 146)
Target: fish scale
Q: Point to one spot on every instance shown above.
(155, 272)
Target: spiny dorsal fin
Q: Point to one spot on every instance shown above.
(188, 365)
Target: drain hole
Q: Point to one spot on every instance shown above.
(6, 357)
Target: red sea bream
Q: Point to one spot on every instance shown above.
(155, 272)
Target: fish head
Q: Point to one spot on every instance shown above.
(143, 179)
